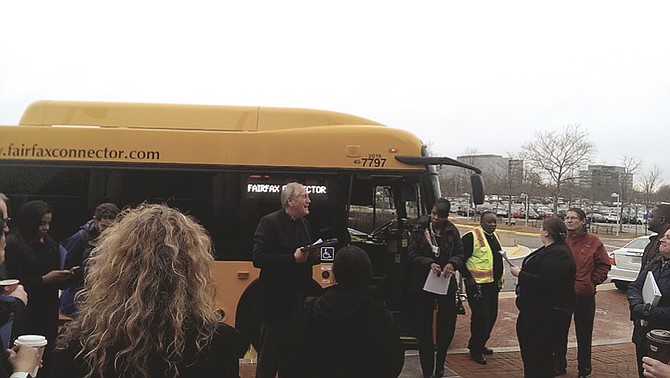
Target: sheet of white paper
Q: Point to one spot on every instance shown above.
(437, 284)
(650, 293)
(504, 255)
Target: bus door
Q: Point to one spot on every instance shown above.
(381, 215)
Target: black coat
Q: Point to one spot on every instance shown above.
(10, 306)
(28, 261)
(349, 334)
(547, 279)
(421, 254)
(283, 283)
(220, 358)
(659, 315)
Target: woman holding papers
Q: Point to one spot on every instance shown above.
(545, 296)
(657, 316)
(435, 249)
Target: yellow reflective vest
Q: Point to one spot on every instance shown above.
(480, 264)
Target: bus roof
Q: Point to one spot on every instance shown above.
(189, 117)
(59, 132)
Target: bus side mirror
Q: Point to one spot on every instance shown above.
(477, 188)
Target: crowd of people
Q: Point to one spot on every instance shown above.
(138, 287)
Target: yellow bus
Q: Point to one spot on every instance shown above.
(226, 166)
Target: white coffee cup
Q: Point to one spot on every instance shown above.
(35, 341)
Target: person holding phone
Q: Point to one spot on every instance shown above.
(32, 257)
(79, 247)
(18, 361)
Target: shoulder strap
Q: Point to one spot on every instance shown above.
(480, 237)
(426, 233)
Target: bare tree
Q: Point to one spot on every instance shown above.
(507, 182)
(651, 180)
(663, 193)
(558, 156)
(630, 167)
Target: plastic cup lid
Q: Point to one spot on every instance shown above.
(31, 340)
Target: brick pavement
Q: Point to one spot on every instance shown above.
(613, 353)
(615, 360)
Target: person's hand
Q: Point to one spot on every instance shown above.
(436, 269)
(25, 358)
(515, 270)
(448, 270)
(57, 276)
(300, 255)
(655, 368)
(636, 311)
(20, 293)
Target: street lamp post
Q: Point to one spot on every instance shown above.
(618, 211)
(524, 196)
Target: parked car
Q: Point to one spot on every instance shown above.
(612, 218)
(626, 262)
(520, 214)
(501, 212)
(596, 217)
(465, 211)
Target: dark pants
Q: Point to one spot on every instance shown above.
(537, 334)
(641, 350)
(484, 315)
(279, 341)
(641, 345)
(584, 313)
(446, 326)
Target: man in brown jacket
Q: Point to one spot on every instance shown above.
(592, 267)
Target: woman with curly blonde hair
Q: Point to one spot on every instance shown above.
(147, 307)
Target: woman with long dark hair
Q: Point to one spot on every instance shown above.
(545, 297)
(26, 358)
(147, 307)
(32, 258)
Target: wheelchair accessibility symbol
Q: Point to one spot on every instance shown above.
(327, 253)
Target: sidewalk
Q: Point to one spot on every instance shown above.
(613, 353)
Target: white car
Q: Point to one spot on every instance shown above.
(626, 262)
(612, 218)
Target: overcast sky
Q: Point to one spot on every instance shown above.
(462, 75)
